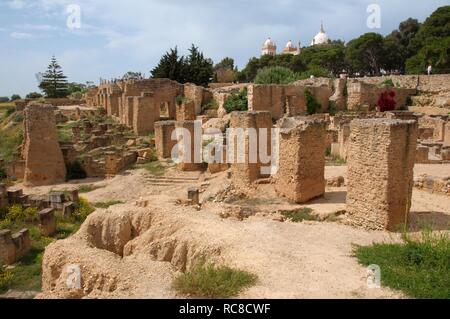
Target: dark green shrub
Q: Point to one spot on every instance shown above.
(312, 106)
(275, 75)
(237, 102)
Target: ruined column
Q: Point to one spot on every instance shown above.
(343, 137)
(145, 114)
(301, 172)
(447, 134)
(194, 195)
(189, 136)
(163, 139)
(185, 111)
(113, 104)
(22, 243)
(380, 172)
(247, 170)
(47, 222)
(3, 196)
(7, 248)
(44, 161)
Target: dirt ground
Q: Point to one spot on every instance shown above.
(292, 260)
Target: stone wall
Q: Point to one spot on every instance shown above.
(44, 161)
(362, 94)
(380, 161)
(145, 114)
(300, 176)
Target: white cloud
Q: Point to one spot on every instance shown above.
(21, 35)
(16, 4)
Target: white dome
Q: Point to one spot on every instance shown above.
(289, 44)
(321, 37)
(269, 42)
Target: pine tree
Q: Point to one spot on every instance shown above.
(54, 82)
(171, 66)
(200, 69)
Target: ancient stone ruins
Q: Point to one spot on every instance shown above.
(280, 160)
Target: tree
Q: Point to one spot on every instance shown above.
(431, 44)
(224, 71)
(170, 66)
(365, 54)
(54, 82)
(4, 99)
(76, 88)
(15, 97)
(34, 95)
(199, 70)
(227, 63)
(275, 75)
(330, 57)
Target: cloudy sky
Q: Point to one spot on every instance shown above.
(116, 36)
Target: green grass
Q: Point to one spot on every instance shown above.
(107, 204)
(297, 216)
(11, 138)
(27, 272)
(155, 168)
(208, 281)
(65, 133)
(88, 188)
(419, 268)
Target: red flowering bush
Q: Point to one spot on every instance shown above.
(386, 102)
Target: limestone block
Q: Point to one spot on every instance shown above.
(380, 161)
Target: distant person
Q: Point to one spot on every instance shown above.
(429, 69)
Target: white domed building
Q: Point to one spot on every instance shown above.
(269, 47)
(321, 37)
(291, 49)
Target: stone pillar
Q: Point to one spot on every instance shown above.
(47, 222)
(112, 164)
(248, 171)
(14, 196)
(44, 161)
(194, 196)
(163, 139)
(113, 104)
(3, 196)
(422, 154)
(74, 196)
(380, 172)
(447, 134)
(56, 200)
(186, 111)
(343, 137)
(189, 136)
(22, 243)
(145, 114)
(301, 172)
(68, 209)
(7, 248)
